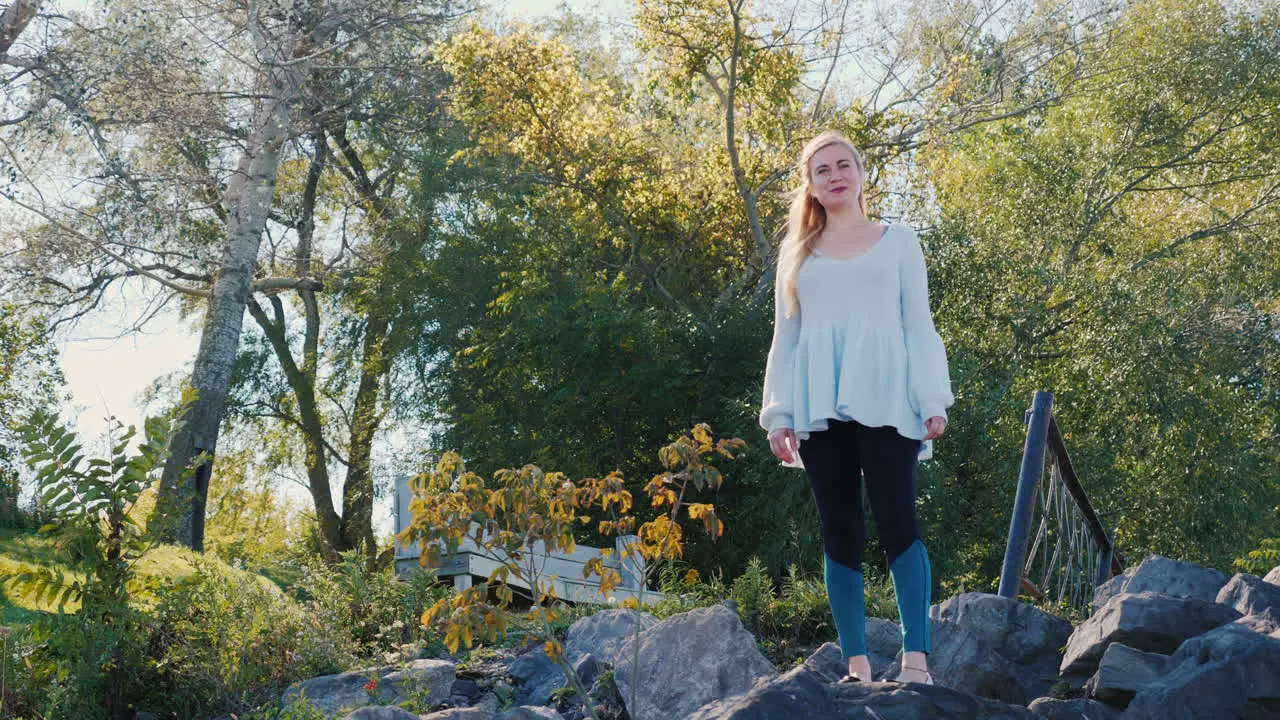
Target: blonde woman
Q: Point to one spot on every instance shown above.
(857, 384)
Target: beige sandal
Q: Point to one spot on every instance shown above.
(928, 677)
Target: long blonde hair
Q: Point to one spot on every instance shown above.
(808, 218)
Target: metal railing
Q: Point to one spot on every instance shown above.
(1057, 549)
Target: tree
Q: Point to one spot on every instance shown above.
(1120, 248)
(182, 115)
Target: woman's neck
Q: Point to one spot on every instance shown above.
(845, 218)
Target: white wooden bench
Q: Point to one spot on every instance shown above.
(563, 570)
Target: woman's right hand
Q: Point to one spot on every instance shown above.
(782, 442)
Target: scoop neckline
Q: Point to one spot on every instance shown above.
(880, 241)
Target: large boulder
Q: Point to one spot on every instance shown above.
(1162, 575)
(1029, 638)
(1273, 577)
(1123, 672)
(537, 676)
(1074, 709)
(1228, 672)
(604, 633)
(809, 692)
(687, 661)
(381, 712)
(1250, 594)
(1145, 621)
(335, 695)
(963, 660)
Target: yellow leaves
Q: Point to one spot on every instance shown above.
(692, 577)
(661, 539)
(553, 649)
(525, 508)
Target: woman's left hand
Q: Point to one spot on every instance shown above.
(934, 427)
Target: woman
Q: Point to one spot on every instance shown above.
(856, 383)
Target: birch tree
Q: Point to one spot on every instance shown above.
(167, 125)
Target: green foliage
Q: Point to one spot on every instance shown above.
(1261, 561)
(228, 641)
(372, 609)
(88, 659)
(29, 379)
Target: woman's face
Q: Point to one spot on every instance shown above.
(833, 176)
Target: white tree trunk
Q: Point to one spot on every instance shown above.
(248, 199)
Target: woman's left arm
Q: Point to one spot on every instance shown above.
(928, 380)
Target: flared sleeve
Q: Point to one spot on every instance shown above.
(776, 404)
(928, 381)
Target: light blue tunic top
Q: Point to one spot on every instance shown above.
(861, 346)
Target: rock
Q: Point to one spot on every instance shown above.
(796, 694)
(804, 693)
(1123, 671)
(962, 660)
(1028, 638)
(1266, 622)
(486, 709)
(604, 633)
(1250, 594)
(884, 641)
(537, 675)
(1022, 633)
(588, 668)
(465, 687)
(381, 712)
(429, 681)
(687, 661)
(1161, 575)
(1145, 621)
(1075, 709)
(1228, 672)
(331, 694)
(1273, 577)
(528, 712)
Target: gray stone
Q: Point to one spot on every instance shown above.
(1250, 594)
(486, 709)
(962, 660)
(537, 676)
(430, 680)
(1266, 622)
(1273, 577)
(1145, 621)
(1162, 575)
(381, 712)
(883, 636)
(1228, 672)
(466, 688)
(527, 712)
(687, 661)
(1074, 709)
(1024, 634)
(338, 694)
(588, 668)
(1123, 671)
(604, 633)
(804, 692)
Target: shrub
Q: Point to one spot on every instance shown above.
(227, 641)
(374, 609)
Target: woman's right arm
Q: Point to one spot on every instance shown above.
(775, 406)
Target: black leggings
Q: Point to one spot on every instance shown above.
(836, 460)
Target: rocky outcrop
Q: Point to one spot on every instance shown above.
(1167, 640)
(687, 661)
